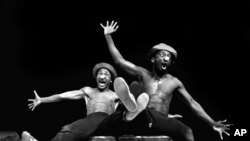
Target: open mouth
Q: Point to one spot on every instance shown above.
(164, 65)
(102, 82)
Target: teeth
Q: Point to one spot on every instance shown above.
(102, 84)
(164, 66)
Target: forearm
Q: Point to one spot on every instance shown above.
(113, 50)
(199, 111)
(51, 99)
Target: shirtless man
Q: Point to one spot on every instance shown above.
(101, 102)
(160, 85)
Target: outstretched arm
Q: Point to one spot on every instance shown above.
(218, 126)
(117, 57)
(71, 95)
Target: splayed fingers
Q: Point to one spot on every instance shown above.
(109, 28)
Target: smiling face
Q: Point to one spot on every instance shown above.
(103, 78)
(162, 60)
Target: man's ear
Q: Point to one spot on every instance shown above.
(152, 60)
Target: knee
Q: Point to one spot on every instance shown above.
(189, 134)
(65, 128)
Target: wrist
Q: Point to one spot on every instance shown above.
(213, 124)
(107, 34)
(41, 100)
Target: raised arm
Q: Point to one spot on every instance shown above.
(71, 95)
(117, 57)
(218, 126)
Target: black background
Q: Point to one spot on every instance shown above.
(52, 46)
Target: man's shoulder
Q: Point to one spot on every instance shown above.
(142, 69)
(145, 72)
(172, 78)
(87, 89)
(111, 92)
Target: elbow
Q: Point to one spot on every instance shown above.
(61, 97)
(119, 61)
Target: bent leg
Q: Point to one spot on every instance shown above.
(114, 125)
(64, 136)
(81, 129)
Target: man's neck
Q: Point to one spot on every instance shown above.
(103, 90)
(158, 74)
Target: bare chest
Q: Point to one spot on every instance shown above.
(102, 102)
(161, 89)
(102, 98)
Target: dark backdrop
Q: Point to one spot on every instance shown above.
(52, 47)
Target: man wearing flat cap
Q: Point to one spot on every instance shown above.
(101, 102)
(160, 85)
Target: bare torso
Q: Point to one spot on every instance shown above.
(100, 101)
(160, 91)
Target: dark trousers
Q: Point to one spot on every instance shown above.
(115, 125)
(162, 125)
(81, 129)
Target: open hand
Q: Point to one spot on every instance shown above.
(108, 29)
(221, 128)
(35, 102)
